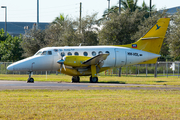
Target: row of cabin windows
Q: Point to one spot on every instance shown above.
(84, 53)
(69, 53)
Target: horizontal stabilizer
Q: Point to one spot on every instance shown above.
(150, 38)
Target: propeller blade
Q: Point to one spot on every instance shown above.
(58, 54)
(64, 67)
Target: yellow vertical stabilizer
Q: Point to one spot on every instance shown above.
(152, 40)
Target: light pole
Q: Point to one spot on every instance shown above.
(5, 18)
(37, 25)
(108, 4)
(150, 8)
(119, 6)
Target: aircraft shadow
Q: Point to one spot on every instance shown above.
(112, 82)
(160, 81)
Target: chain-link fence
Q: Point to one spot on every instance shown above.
(158, 69)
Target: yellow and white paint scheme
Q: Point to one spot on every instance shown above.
(90, 60)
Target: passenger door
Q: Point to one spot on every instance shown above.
(121, 57)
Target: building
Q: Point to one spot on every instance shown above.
(171, 11)
(17, 28)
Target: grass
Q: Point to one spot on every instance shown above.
(173, 80)
(89, 104)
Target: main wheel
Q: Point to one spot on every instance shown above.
(75, 79)
(93, 79)
(30, 80)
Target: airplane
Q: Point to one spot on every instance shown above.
(90, 60)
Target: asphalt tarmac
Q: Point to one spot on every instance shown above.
(13, 85)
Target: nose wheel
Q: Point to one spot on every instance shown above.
(30, 79)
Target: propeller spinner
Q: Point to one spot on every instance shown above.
(61, 62)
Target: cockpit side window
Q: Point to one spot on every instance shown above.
(49, 53)
(63, 54)
(44, 53)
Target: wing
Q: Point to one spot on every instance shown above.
(95, 60)
(82, 63)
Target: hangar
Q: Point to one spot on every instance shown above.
(17, 28)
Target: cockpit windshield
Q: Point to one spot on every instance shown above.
(39, 53)
(44, 53)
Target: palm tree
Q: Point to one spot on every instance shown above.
(130, 4)
(127, 4)
(146, 8)
(107, 12)
(59, 20)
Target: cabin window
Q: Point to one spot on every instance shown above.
(49, 53)
(44, 53)
(100, 52)
(76, 53)
(85, 54)
(107, 52)
(62, 54)
(55, 50)
(93, 53)
(69, 53)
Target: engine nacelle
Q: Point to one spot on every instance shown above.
(75, 61)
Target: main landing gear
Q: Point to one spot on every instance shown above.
(75, 79)
(30, 79)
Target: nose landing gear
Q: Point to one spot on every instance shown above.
(30, 79)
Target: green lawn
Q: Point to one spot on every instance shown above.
(89, 104)
(174, 80)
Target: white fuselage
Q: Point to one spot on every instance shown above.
(46, 59)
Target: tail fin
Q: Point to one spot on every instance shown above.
(153, 39)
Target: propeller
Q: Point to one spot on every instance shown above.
(61, 62)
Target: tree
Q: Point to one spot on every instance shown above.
(33, 40)
(174, 36)
(107, 12)
(2, 35)
(127, 5)
(63, 31)
(59, 20)
(130, 4)
(119, 29)
(89, 30)
(10, 48)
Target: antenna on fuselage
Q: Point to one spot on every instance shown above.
(80, 44)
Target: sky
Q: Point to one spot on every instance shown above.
(26, 10)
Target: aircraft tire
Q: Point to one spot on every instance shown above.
(93, 79)
(75, 79)
(30, 80)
